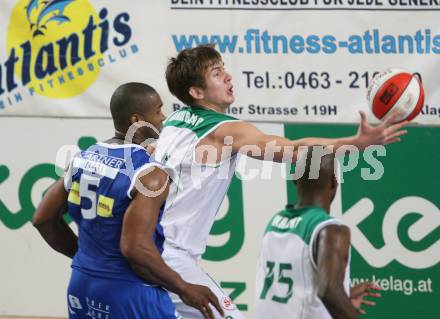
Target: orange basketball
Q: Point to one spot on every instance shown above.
(396, 89)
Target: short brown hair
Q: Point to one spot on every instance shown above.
(188, 69)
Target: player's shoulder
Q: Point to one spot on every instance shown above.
(316, 215)
(302, 222)
(132, 155)
(199, 120)
(154, 177)
(336, 229)
(104, 147)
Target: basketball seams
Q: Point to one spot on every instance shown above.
(412, 88)
(420, 101)
(382, 77)
(394, 89)
(401, 81)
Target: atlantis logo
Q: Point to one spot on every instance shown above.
(57, 48)
(50, 11)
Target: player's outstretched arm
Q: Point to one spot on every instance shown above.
(48, 219)
(331, 255)
(249, 140)
(367, 134)
(138, 246)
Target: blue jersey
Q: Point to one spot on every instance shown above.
(100, 181)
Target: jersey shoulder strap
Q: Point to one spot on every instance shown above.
(200, 121)
(301, 222)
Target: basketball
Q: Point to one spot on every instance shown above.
(395, 89)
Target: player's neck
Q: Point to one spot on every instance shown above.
(209, 106)
(316, 201)
(120, 138)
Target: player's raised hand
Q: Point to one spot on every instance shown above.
(362, 290)
(200, 297)
(385, 133)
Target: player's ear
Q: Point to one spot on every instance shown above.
(196, 93)
(136, 118)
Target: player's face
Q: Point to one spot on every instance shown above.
(154, 115)
(219, 89)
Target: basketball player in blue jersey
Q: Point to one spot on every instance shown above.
(304, 267)
(114, 193)
(200, 145)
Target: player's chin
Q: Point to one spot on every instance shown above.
(230, 99)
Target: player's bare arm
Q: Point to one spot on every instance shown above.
(249, 140)
(367, 134)
(331, 255)
(48, 219)
(138, 247)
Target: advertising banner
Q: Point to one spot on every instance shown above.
(391, 207)
(391, 204)
(290, 60)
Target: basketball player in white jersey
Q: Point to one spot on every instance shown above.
(199, 145)
(303, 271)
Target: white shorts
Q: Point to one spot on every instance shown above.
(189, 269)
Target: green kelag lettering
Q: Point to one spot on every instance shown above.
(232, 223)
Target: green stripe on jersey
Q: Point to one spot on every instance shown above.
(301, 222)
(197, 119)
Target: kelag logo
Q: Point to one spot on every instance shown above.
(57, 48)
(394, 221)
(29, 184)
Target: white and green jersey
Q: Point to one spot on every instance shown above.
(286, 284)
(196, 191)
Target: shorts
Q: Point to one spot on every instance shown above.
(102, 298)
(188, 268)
